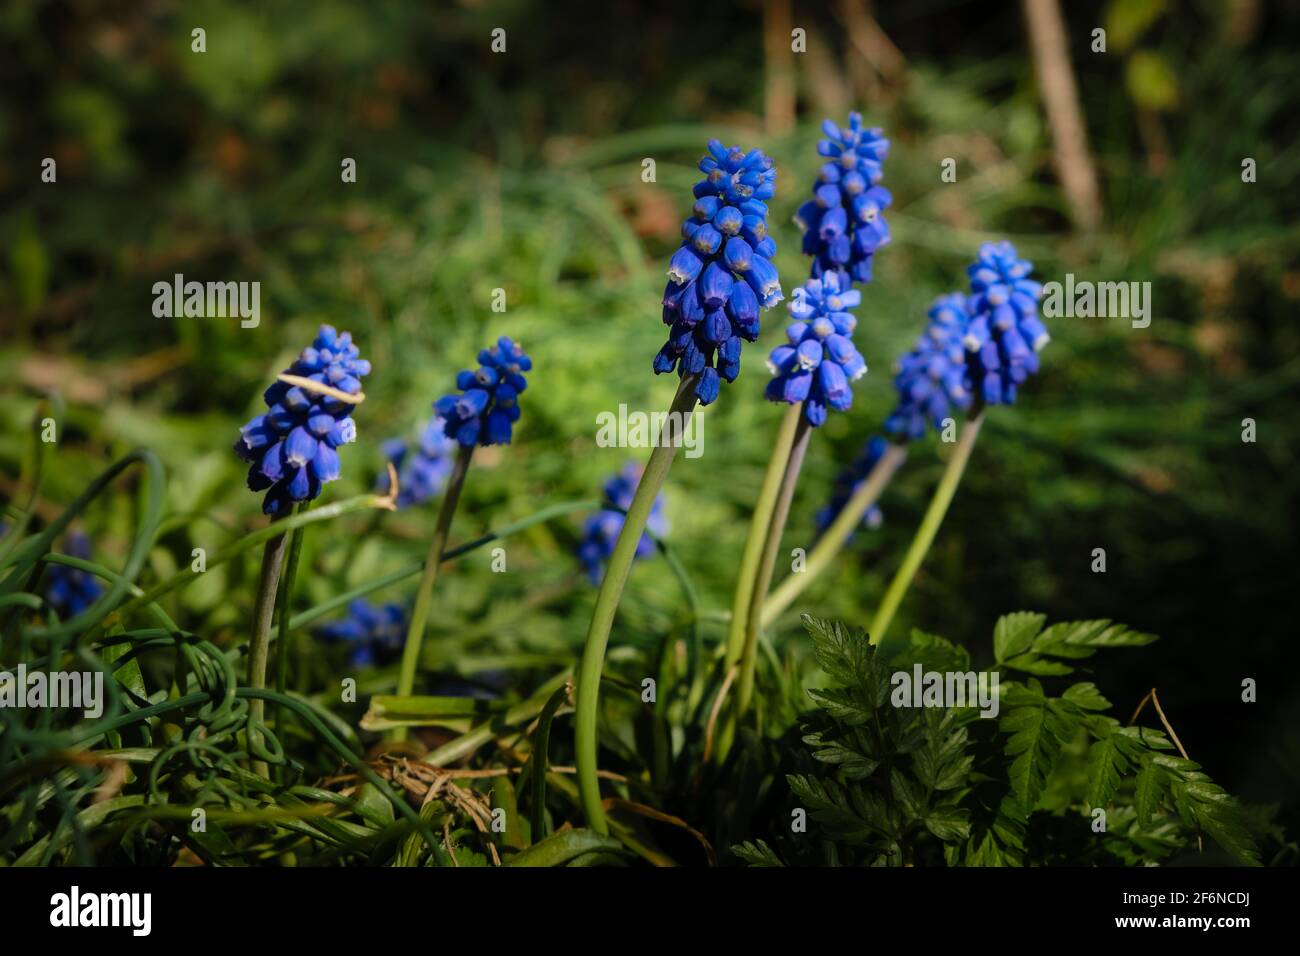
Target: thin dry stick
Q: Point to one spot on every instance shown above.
(1169, 729)
(352, 398)
(1051, 53)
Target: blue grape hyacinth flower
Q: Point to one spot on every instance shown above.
(819, 363)
(844, 224)
(848, 481)
(933, 379)
(374, 634)
(485, 411)
(601, 530)
(293, 445)
(1005, 333)
(422, 469)
(722, 275)
(71, 590)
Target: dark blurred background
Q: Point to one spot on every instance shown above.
(522, 170)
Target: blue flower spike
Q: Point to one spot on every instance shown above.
(422, 470)
(722, 276)
(601, 530)
(71, 590)
(844, 224)
(933, 379)
(293, 446)
(372, 633)
(485, 411)
(1005, 333)
(847, 483)
(819, 363)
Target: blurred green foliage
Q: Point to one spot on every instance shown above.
(522, 171)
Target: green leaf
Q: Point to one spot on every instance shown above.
(757, 853)
(949, 824)
(1116, 751)
(909, 794)
(1087, 696)
(1013, 633)
(1039, 727)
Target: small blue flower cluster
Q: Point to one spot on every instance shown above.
(984, 344)
(601, 530)
(71, 590)
(293, 446)
(373, 633)
(422, 470)
(722, 274)
(820, 361)
(932, 379)
(847, 483)
(844, 222)
(1005, 334)
(486, 410)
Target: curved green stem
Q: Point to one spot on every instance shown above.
(286, 605)
(611, 590)
(834, 538)
(924, 537)
(767, 564)
(424, 597)
(260, 642)
(758, 525)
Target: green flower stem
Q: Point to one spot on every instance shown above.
(424, 596)
(260, 645)
(924, 537)
(758, 525)
(286, 605)
(611, 590)
(834, 538)
(767, 565)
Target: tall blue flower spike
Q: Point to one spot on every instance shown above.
(374, 634)
(933, 379)
(844, 224)
(71, 590)
(485, 411)
(293, 446)
(422, 470)
(1005, 334)
(722, 274)
(819, 362)
(847, 483)
(601, 530)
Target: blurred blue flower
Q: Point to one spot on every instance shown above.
(722, 274)
(933, 379)
(1005, 334)
(373, 633)
(844, 222)
(848, 481)
(293, 446)
(485, 411)
(601, 530)
(422, 469)
(819, 362)
(70, 590)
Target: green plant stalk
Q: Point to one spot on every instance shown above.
(611, 590)
(424, 596)
(767, 564)
(834, 538)
(925, 534)
(260, 643)
(757, 535)
(286, 606)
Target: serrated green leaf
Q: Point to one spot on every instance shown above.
(1087, 696)
(1014, 633)
(757, 853)
(949, 824)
